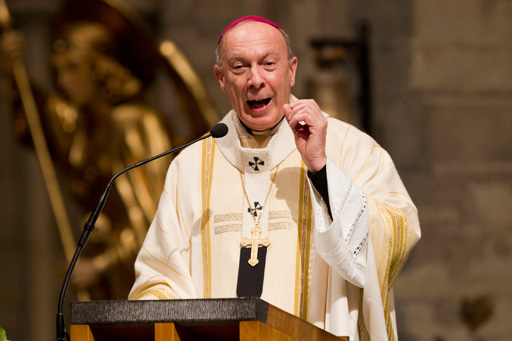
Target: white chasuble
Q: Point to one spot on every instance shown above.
(335, 274)
(268, 185)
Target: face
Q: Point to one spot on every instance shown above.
(256, 74)
(74, 78)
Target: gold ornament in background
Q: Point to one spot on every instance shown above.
(104, 60)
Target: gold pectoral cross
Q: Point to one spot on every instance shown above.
(255, 242)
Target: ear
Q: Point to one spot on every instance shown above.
(293, 69)
(219, 74)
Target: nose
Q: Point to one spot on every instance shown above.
(255, 78)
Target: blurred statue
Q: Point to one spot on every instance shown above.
(95, 126)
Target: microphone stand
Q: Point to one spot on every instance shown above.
(219, 130)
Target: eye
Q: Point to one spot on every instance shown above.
(238, 67)
(269, 64)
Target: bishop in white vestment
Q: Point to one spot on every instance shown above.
(330, 260)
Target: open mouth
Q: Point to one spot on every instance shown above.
(258, 103)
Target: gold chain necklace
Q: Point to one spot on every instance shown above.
(255, 242)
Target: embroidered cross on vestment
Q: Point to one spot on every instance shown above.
(257, 207)
(257, 162)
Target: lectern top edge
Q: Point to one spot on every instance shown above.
(186, 311)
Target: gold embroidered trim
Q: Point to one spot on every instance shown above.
(303, 240)
(208, 153)
(279, 215)
(399, 235)
(227, 228)
(233, 222)
(307, 243)
(220, 218)
(282, 225)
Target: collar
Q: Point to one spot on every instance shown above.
(281, 144)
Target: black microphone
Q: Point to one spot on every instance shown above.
(219, 130)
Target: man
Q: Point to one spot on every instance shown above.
(332, 218)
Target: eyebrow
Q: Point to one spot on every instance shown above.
(238, 57)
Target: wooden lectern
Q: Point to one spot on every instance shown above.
(198, 319)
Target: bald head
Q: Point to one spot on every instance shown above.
(245, 20)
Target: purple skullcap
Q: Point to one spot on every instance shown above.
(249, 18)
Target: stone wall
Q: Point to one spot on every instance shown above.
(442, 106)
(457, 283)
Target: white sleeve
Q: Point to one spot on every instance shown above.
(342, 242)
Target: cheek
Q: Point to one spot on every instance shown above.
(234, 88)
(233, 97)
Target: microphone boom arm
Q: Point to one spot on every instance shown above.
(218, 130)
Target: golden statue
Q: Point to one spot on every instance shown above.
(98, 124)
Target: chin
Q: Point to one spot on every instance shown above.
(258, 125)
(262, 123)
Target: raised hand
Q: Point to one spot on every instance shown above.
(309, 127)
